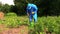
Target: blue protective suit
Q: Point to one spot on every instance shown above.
(32, 8)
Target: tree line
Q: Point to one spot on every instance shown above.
(45, 7)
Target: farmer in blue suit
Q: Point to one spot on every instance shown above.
(32, 12)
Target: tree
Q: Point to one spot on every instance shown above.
(0, 6)
(46, 7)
(21, 5)
(55, 7)
(5, 8)
(41, 4)
(14, 9)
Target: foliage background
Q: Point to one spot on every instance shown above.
(45, 7)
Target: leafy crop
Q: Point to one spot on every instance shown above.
(51, 24)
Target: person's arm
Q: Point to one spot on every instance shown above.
(27, 13)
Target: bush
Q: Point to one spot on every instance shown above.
(12, 22)
(11, 14)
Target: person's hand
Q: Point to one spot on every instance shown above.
(28, 14)
(33, 12)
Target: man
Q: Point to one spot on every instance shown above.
(32, 12)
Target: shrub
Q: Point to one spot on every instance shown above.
(11, 14)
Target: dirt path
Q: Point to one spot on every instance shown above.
(21, 30)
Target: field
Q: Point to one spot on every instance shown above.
(45, 25)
